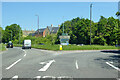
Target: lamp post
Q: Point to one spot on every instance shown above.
(63, 26)
(19, 37)
(90, 21)
(38, 23)
(11, 35)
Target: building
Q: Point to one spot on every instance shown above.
(27, 32)
(119, 9)
(47, 31)
(41, 32)
(52, 29)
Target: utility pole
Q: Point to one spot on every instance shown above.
(19, 37)
(11, 35)
(63, 26)
(38, 23)
(90, 21)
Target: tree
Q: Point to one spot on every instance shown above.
(13, 29)
(104, 32)
(117, 13)
(1, 34)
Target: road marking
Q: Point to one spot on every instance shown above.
(113, 66)
(48, 77)
(13, 64)
(47, 65)
(111, 53)
(24, 55)
(38, 77)
(76, 65)
(43, 62)
(16, 76)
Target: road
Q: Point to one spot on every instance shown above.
(37, 63)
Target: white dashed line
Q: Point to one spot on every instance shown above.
(76, 65)
(24, 55)
(47, 65)
(48, 77)
(113, 66)
(38, 77)
(13, 64)
(16, 76)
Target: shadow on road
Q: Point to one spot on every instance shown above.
(113, 51)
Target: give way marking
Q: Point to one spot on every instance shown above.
(47, 65)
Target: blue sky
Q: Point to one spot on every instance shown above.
(23, 13)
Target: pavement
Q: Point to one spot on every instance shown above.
(37, 63)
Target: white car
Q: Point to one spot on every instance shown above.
(26, 44)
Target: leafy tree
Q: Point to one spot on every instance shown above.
(13, 29)
(104, 32)
(118, 13)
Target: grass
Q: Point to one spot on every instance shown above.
(72, 47)
(2, 47)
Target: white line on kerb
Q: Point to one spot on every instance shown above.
(76, 65)
(16, 76)
(13, 64)
(113, 66)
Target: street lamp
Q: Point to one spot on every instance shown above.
(19, 37)
(11, 35)
(38, 23)
(90, 21)
(63, 26)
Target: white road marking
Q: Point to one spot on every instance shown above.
(13, 64)
(76, 65)
(113, 66)
(16, 76)
(48, 77)
(110, 53)
(64, 77)
(43, 62)
(38, 77)
(47, 65)
(24, 55)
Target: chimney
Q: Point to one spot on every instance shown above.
(51, 25)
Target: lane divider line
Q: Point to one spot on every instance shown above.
(38, 77)
(13, 64)
(76, 65)
(24, 55)
(16, 76)
(113, 66)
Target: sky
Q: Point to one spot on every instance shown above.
(23, 13)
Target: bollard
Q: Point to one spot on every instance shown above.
(60, 47)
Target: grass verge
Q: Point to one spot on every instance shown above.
(72, 47)
(2, 47)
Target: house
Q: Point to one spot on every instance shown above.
(40, 32)
(53, 30)
(46, 31)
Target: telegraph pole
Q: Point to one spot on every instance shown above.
(90, 21)
(38, 23)
(19, 37)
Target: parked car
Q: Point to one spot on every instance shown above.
(26, 44)
(9, 44)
